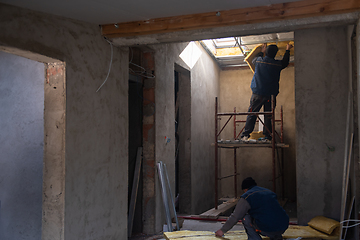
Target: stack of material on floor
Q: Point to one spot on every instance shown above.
(326, 225)
(319, 228)
(202, 235)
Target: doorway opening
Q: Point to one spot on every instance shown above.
(33, 131)
(183, 139)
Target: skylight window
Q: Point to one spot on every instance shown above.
(191, 54)
(231, 51)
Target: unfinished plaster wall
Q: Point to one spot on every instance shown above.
(22, 142)
(205, 80)
(356, 68)
(204, 88)
(96, 123)
(321, 96)
(256, 162)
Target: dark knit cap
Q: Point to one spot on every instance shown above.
(271, 51)
(248, 183)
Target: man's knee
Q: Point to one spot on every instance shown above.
(247, 221)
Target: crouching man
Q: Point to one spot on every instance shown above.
(260, 212)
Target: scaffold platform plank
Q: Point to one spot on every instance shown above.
(222, 208)
(238, 145)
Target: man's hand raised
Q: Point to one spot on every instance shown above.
(289, 46)
(263, 48)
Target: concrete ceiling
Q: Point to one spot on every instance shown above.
(120, 11)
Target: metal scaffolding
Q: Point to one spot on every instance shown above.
(238, 144)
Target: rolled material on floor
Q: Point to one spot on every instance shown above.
(324, 224)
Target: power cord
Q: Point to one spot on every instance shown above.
(111, 45)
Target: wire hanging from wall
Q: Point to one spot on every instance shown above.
(146, 75)
(141, 73)
(111, 45)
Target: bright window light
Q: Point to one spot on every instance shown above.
(191, 54)
(209, 43)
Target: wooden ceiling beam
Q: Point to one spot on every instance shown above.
(275, 12)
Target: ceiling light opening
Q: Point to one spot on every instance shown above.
(232, 51)
(191, 54)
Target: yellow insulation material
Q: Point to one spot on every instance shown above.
(204, 235)
(315, 230)
(306, 232)
(323, 224)
(256, 135)
(251, 56)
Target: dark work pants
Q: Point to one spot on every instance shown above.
(256, 102)
(254, 233)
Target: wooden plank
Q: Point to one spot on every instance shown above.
(222, 208)
(274, 12)
(204, 235)
(238, 145)
(348, 217)
(134, 190)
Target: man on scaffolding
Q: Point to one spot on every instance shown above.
(264, 84)
(260, 212)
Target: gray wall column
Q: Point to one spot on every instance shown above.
(321, 96)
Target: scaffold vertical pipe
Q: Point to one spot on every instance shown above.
(235, 168)
(234, 123)
(235, 174)
(216, 153)
(282, 153)
(282, 173)
(273, 140)
(282, 126)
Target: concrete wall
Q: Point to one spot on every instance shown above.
(321, 93)
(235, 92)
(204, 87)
(22, 142)
(96, 123)
(356, 68)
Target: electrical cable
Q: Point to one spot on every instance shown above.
(139, 73)
(142, 73)
(109, 66)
